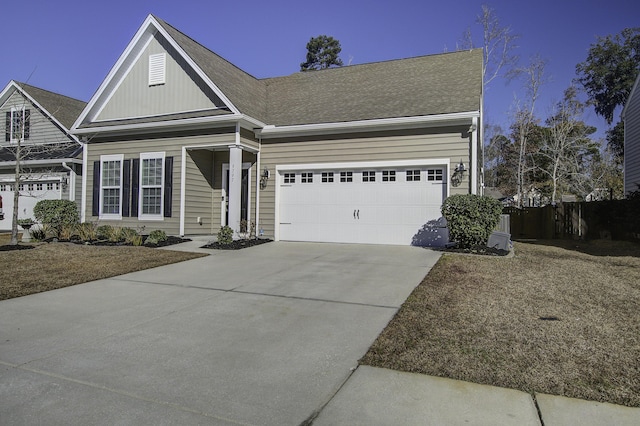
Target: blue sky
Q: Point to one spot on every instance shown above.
(69, 46)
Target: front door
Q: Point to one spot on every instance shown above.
(244, 195)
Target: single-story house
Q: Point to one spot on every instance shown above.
(631, 118)
(179, 139)
(50, 156)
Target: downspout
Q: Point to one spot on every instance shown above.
(72, 181)
(474, 155)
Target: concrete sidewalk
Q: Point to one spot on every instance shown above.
(269, 335)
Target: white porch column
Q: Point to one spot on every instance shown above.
(235, 186)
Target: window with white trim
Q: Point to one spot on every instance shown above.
(39, 187)
(111, 186)
(327, 177)
(157, 69)
(388, 175)
(307, 177)
(413, 175)
(435, 174)
(289, 178)
(151, 185)
(368, 176)
(17, 124)
(346, 176)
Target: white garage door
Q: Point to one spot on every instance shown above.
(30, 194)
(369, 206)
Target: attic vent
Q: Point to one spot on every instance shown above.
(157, 67)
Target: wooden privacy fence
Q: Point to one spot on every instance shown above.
(615, 219)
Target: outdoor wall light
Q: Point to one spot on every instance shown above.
(264, 178)
(458, 174)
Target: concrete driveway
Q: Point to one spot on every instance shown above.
(262, 336)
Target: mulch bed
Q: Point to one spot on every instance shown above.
(479, 250)
(237, 244)
(9, 247)
(168, 242)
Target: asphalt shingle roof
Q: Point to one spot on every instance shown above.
(42, 152)
(65, 109)
(419, 86)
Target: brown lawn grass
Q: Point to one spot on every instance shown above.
(560, 318)
(56, 265)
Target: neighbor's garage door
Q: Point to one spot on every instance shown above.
(375, 206)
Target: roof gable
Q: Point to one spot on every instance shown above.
(61, 110)
(151, 33)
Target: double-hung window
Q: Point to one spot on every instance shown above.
(111, 186)
(151, 185)
(17, 124)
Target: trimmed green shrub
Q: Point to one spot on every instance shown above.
(471, 218)
(156, 236)
(225, 235)
(56, 213)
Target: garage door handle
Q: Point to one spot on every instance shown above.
(354, 214)
(358, 214)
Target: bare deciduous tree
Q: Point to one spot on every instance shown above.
(498, 44)
(525, 119)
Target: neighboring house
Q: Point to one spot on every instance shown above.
(179, 139)
(51, 156)
(631, 118)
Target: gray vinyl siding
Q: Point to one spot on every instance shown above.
(632, 143)
(172, 147)
(199, 194)
(446, 143)
(42, 129)
(183, 90)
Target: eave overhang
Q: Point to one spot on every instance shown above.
(437, 120)
(172, 125)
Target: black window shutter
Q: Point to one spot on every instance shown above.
(26, 126)
(135, 186)
(126, 187)
(7, 130)
(168, 185)
(95, 208)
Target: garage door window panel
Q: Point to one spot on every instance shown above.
(388, 175)
(413, 175)
(346, 177)
(327, 177)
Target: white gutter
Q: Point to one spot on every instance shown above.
(48, 162)
(220, 119)
(360, 125)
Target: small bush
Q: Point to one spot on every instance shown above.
(103, 232)
(39, 234)
(156, 236)
(225, 235)
(128, 234)
(65, 232)
(56, 213)
(137, 240)
(87, 231)
(471, 218)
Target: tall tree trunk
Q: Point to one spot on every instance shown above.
(16, 195)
